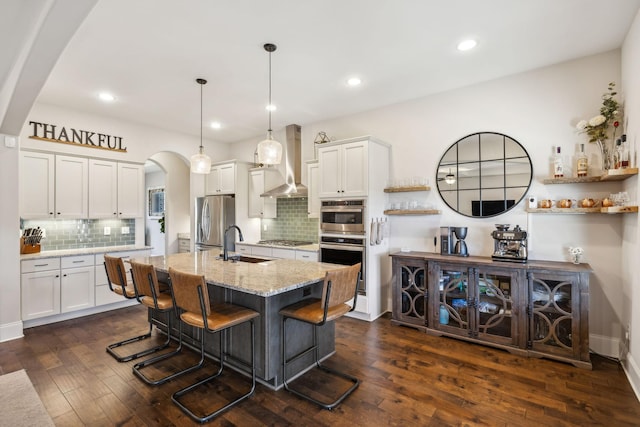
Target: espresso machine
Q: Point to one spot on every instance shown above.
(452, 241)
(509, 245)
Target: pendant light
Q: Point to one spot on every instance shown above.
(450, 178)
(201, 163)
(269, 150)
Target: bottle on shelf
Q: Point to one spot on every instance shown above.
(444, 315)
(617, 154)
(558, 167)
(582, 163)
(624, 156)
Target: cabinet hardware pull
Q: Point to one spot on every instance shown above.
(40, 265)
(77, 262)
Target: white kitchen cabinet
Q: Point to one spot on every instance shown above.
(77, 283)
(276, 252)
(72, 187)
(343, 170)
(243, 249)
(261, 180)
(103, 189)
(283, 253)
(104, 295)
(131, 197)
(306, 255)
(313, 201)
(37, 185)
(40, 285)
(221, 179)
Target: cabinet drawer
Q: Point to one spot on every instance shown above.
(42, 264)
(184, 243)
(242, 249)
(283, 253)
(261, 250)
(306, 255)
(77, 261)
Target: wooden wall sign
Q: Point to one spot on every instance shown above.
(60, 134)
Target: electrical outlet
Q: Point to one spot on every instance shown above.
(107, 231)
(125, 230)
(265, 227)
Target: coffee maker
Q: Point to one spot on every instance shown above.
(509, 245)
(452, 241)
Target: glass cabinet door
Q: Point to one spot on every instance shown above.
(552, 319)
(410, 295)
(453, 310)
(494, 303)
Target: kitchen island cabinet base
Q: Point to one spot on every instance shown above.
(268, 334)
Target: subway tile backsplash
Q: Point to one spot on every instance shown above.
(292, 222)
(83, 233)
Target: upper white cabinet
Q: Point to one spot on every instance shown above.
(343, 170)
(261, 180)
(313, 201)
(221, 179)
(72, 187)
(37, 185)
(131, 198)
(103, 189)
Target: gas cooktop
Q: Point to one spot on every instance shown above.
(282, 242)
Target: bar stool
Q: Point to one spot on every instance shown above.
(340, 286)
(117, 280)
(191, 295)
(150, 294)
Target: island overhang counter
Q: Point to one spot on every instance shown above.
(265, 287)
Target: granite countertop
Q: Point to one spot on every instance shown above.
(84, 251)
(264, 279)
(313, 247)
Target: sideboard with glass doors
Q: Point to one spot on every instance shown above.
(537, 309)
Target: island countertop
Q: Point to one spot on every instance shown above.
(264, 279)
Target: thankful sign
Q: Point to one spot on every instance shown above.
(60, 134)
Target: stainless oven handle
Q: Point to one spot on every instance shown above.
(354, 248)
(337, 210)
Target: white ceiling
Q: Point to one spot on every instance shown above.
(149, 53)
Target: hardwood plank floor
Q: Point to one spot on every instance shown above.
(407, 378)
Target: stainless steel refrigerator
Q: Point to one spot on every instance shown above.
(214, 214)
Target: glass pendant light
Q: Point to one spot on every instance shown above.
(269, 150)
(201, 163)
(450, 178)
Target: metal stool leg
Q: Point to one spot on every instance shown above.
(129, 357)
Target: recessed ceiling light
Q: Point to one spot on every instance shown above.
(354, 81)
(467, 44)
(106, 97)
(216, 125)
(271, 107)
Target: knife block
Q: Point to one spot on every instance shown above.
(28, 249)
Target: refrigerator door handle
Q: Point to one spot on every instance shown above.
(206, 220)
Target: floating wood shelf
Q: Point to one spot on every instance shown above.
(412, 212)
(609, 210)
(407, 189)
(611, 175)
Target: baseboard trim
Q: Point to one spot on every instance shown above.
(11, 331)
(632, 369)
(605, 346)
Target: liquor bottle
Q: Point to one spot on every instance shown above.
(582, 162)
(624, 156)
(617, 154)
(558, 167)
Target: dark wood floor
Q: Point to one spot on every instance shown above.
(407, 378)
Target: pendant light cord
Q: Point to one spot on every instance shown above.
(270, 104)
(201, 117)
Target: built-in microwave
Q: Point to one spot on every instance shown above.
(342, 216)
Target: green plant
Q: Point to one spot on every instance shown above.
(161, 221)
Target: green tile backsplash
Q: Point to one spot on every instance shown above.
(83, 233)
(291, 223)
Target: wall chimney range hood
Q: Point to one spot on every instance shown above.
(293, 165)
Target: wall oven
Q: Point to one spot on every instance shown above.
(345, 250)
(342, 216)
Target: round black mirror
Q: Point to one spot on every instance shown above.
(484, 174)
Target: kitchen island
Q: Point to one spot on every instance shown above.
(265, 287)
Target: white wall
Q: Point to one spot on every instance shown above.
(630, 291)
(539, 109)
(153, 236)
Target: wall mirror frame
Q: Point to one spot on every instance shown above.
(484, 174)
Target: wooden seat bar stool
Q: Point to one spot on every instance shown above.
(117, 280)
(149, 292)
(340, 286)
(191, 295)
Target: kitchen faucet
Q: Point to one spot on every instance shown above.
(225, 253)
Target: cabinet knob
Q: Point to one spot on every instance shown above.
(58, 213)
(64, 275)
(57, 275)
(50, 213)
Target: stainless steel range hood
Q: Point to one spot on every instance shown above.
(293, 164)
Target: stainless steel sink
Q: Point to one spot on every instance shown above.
(243, 258)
